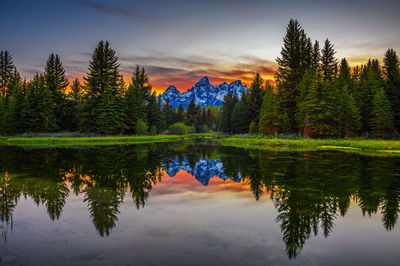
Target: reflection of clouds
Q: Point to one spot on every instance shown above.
(184, 185)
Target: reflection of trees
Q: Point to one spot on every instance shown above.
(311, 190)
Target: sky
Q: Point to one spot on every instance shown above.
(179, 42)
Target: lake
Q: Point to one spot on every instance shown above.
(197, 203)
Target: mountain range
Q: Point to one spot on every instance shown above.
(203, 93)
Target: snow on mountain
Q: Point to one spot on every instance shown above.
(203, 93)
(203, 171)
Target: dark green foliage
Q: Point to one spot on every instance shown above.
(108, 118)
(56, 82)
(255, 98)
(370, 81)
(226, 113)
(13, 112)
(154, 113)
(240, 119)
(103, 73)
(270, 117)
(328, 62)
(296, 58)
(169, 113)
(382, 116)
(348, 114)
(392, 83)
(180, 114)
(134, 100)
(319, 107)
(191, 114)
(37, 114)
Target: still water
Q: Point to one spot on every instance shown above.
(197, 203)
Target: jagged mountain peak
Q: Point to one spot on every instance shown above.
(203, 93)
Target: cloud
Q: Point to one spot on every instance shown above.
(131, 12)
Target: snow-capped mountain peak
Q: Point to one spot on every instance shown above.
(203, 93)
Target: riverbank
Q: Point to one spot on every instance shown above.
(363, 146)
(356, 145)
(100, 140)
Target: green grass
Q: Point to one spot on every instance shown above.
(104, 140)
(369, 147)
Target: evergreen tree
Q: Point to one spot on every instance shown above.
(191, 114)
(255, 98)
(180, 114)
(316, 57)
(348, 114)
(370, 81)
(13, 111)
(103, 73)
(37, 113)
(240, 119)
(226, 113)
(6, 72)
(301, 116)
(269, 113)
(328, 62)
(74, 99)
(154, 113)
(108, 120)
(168, 113)
(319, 107)
(392, 83)
(294, 61)
(56, 82)
(382, 116)
(134, 100)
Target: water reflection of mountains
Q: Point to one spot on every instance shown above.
(310, 190)
(203, 171)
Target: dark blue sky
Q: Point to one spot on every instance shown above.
(181, 41)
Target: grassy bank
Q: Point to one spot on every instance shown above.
(370, 147)
(103, 140)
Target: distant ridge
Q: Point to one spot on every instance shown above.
(203, 93)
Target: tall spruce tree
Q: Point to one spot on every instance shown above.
(316, 57)
(230, 100)
(392, 83)
(270, 112)
(103, 74)
(180, 114)
(370, 81)
(382, 116)
(74, 102)
(57, 82)
(134, 99)
(319, 107)
(255, 98)
(13, 111)
(328, 62)
(293, 63)
(6, 72)
(108, 119)
(37, 113)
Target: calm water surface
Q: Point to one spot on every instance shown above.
(196, 204)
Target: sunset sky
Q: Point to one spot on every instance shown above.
(178, 42)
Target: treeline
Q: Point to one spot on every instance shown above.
(103, 104)
(317, 96)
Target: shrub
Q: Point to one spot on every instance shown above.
(178, 129)
(141, 127)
